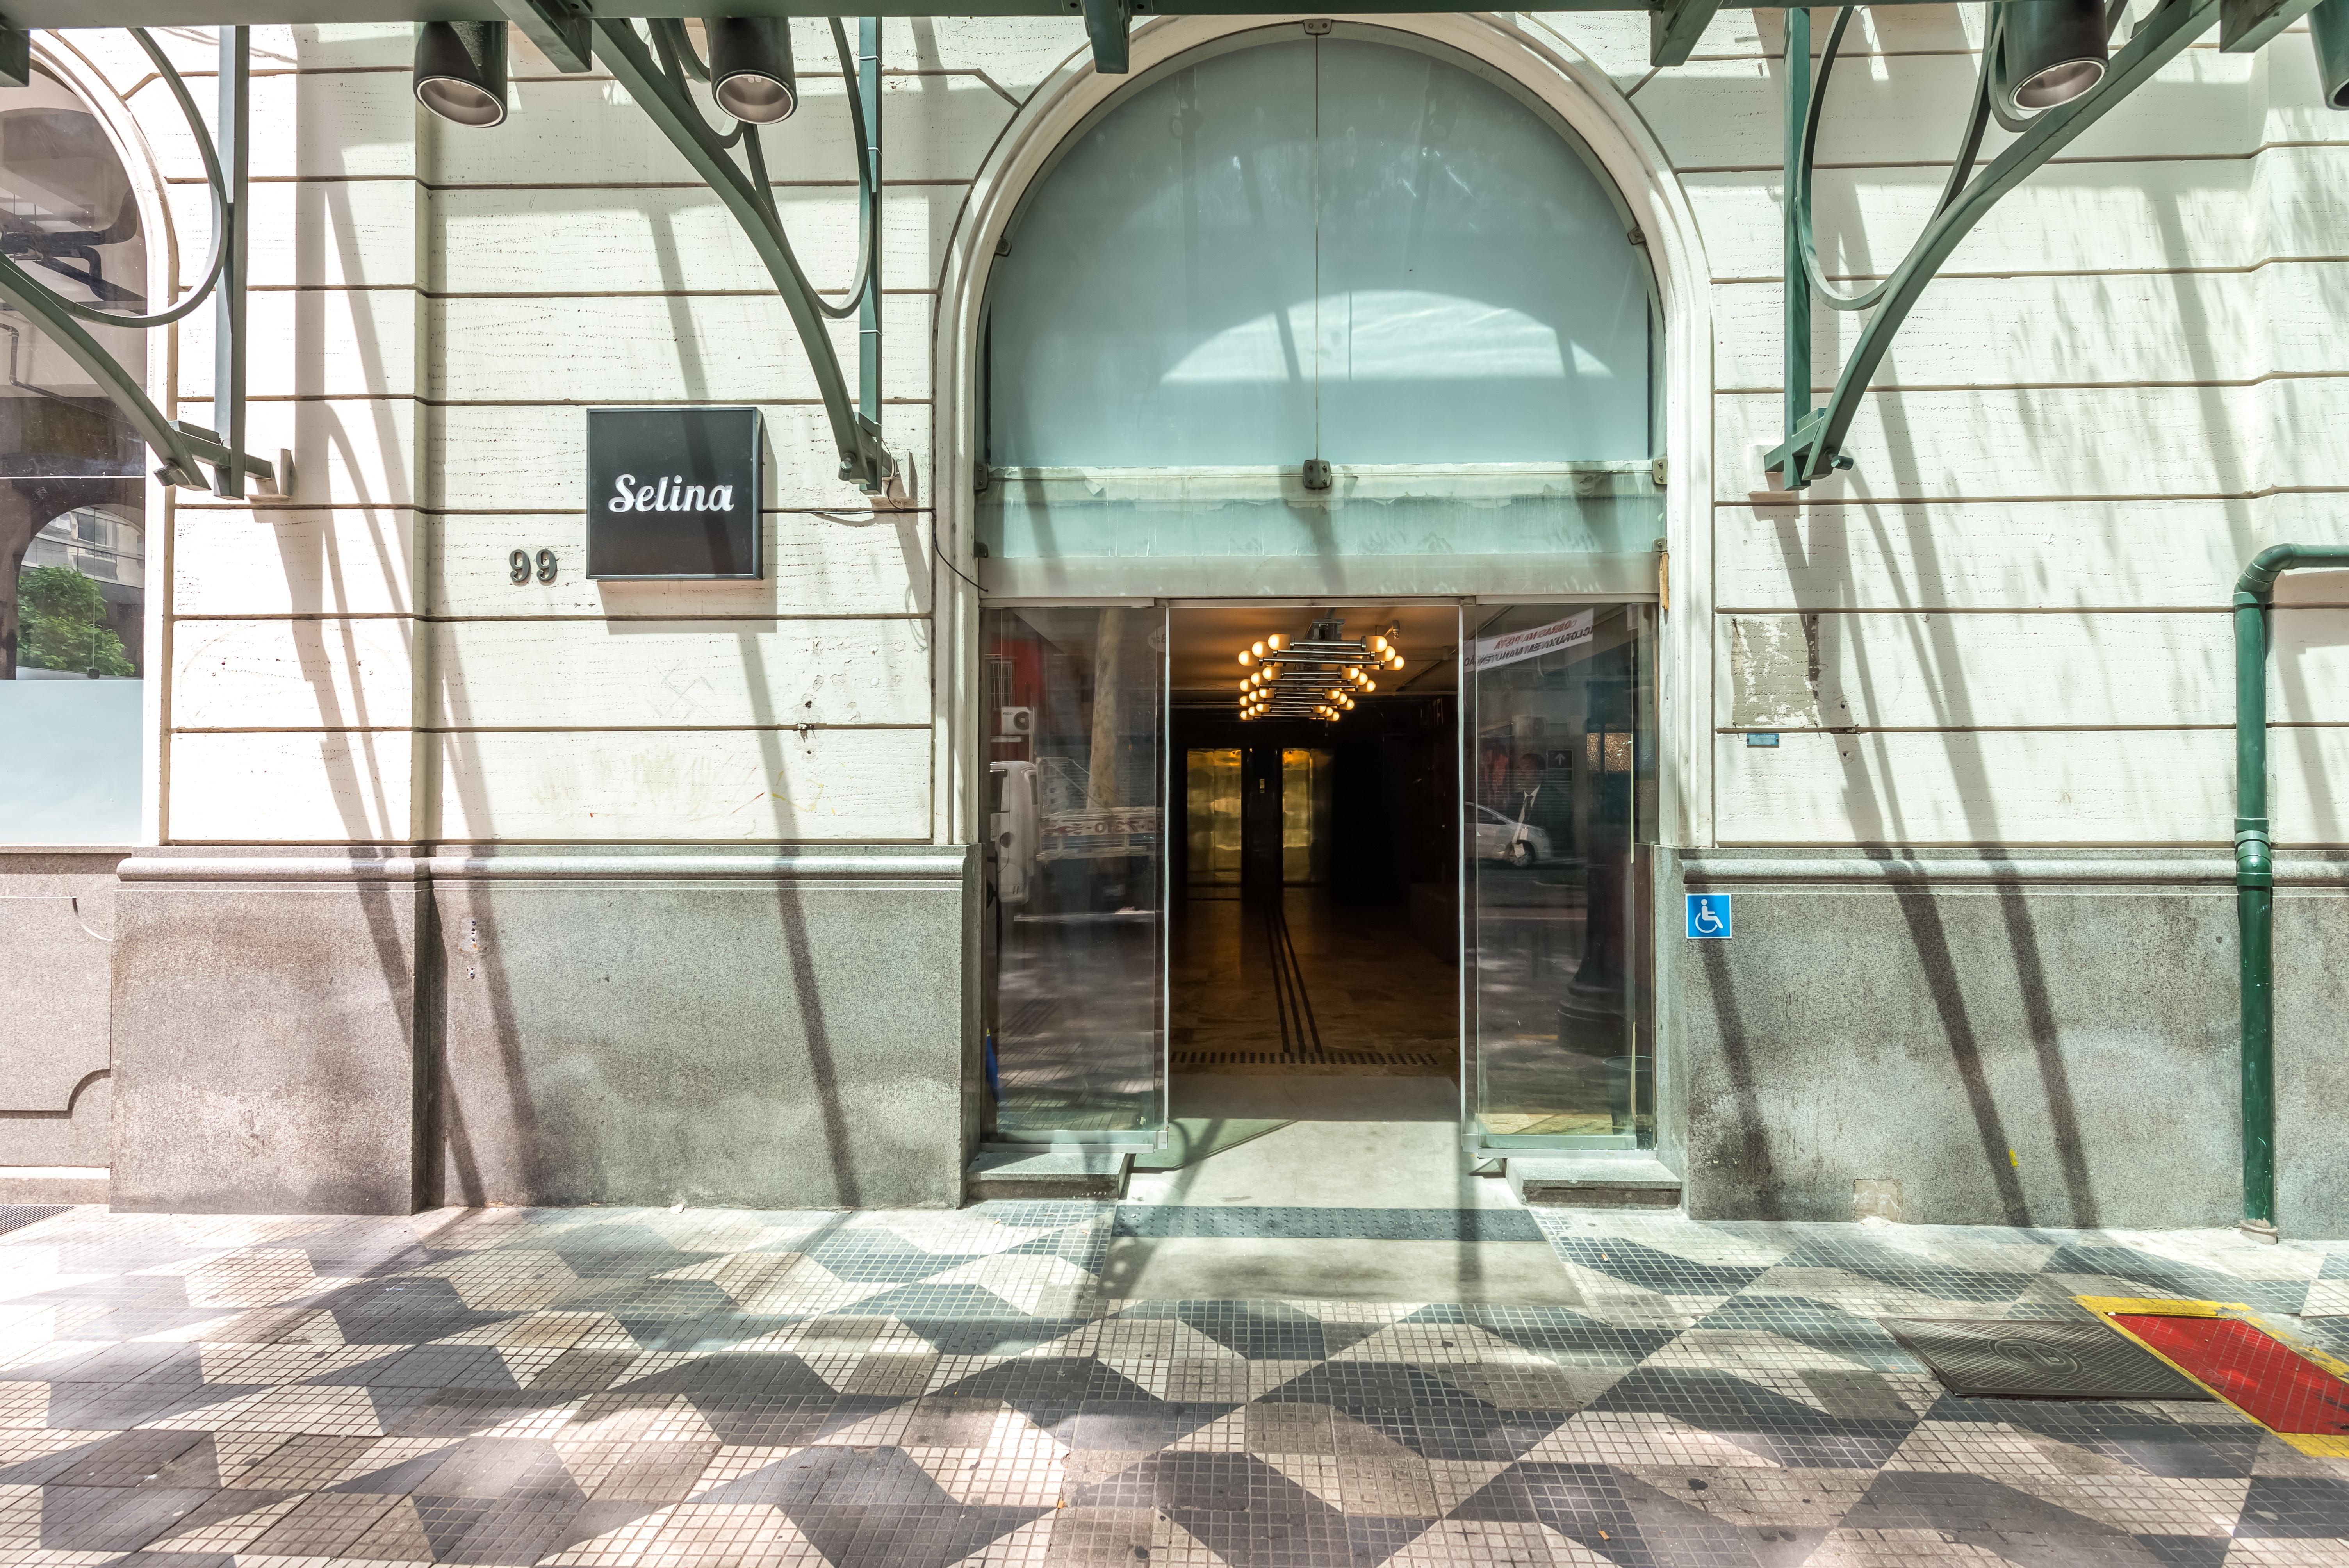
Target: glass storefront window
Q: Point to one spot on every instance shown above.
(72, 489)
(1073, 931)
(1562, 799)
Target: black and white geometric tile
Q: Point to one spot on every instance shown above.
(672, 1390)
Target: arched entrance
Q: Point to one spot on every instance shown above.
(1321, 332)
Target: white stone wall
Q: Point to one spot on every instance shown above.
(2006, 626)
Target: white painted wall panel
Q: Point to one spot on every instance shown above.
(2098, 327)
(2116, 786)
(269, 561)
(315, 343)
(704, 786)
(319, 123)
(663, 241)
(567, 130)
(2028, 554)
(533, 458)
(291, 787)
(339, 674)
(607, 675)
(310, 45)
(2040, 670)
(2069, 217)
(314, 233)
(817, 563)
(346, 451)
(2081, 442)
(1911, 109)
(736, 348)
(1014, 53)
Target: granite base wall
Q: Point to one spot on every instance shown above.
(57, 1058)
(656, 1029)
(1948, 1043)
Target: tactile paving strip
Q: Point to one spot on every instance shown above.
(1981, 1358)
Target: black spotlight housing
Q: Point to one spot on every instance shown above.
(461, 71)
(2055, 51)
(2328, 29)
(750, 67)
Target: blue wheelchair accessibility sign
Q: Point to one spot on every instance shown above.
(1708, 914)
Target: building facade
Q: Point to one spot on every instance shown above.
(377, 856)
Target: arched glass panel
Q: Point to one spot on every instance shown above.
(72, 489)
(1331, 248)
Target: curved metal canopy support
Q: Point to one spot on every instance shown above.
(1815, 437)
(185, 450)
(663, 95)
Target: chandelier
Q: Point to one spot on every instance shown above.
(1315, 677)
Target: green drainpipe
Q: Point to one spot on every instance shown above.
(2255, 869)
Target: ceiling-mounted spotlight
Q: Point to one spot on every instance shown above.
(2053, 51)
(2328, 29)
(461, 71)
(750, 67)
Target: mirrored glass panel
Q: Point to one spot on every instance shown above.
(1073, 933)
(1562, 808)
(72, 489)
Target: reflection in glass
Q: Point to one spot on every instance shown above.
(72, 489)
(1563, 808)
(1072, 929)
(1307, 779)
(1213, 800)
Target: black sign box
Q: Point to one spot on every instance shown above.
(673, 492)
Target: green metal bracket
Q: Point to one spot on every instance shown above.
(16, 55)
(1815, 438)
(1674, 27)
(660, 90)
(563, 30)
(2255, 869)
(2247, 24)
(185, 450)
(1110, 24)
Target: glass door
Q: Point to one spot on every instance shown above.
(1073, 931)
(1560, 801)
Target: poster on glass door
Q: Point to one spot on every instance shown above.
(1511, 647)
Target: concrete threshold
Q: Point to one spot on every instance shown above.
(1594, 1179)
(1087, 1172)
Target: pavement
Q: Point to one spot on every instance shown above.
(674, 1388)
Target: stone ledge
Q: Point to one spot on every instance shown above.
(1099, 1171)
(1594, 1179)
(54, 1183)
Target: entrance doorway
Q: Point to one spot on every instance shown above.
(1224, 897)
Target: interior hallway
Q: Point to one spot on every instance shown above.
(1307, 985)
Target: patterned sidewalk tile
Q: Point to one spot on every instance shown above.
(615, 1389)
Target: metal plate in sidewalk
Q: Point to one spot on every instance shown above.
(1987, 1358)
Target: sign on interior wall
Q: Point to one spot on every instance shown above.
(673, 492)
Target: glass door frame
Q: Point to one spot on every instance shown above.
(1648, 725)
(1154, 1135)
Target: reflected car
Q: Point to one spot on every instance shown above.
(1510, 841)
